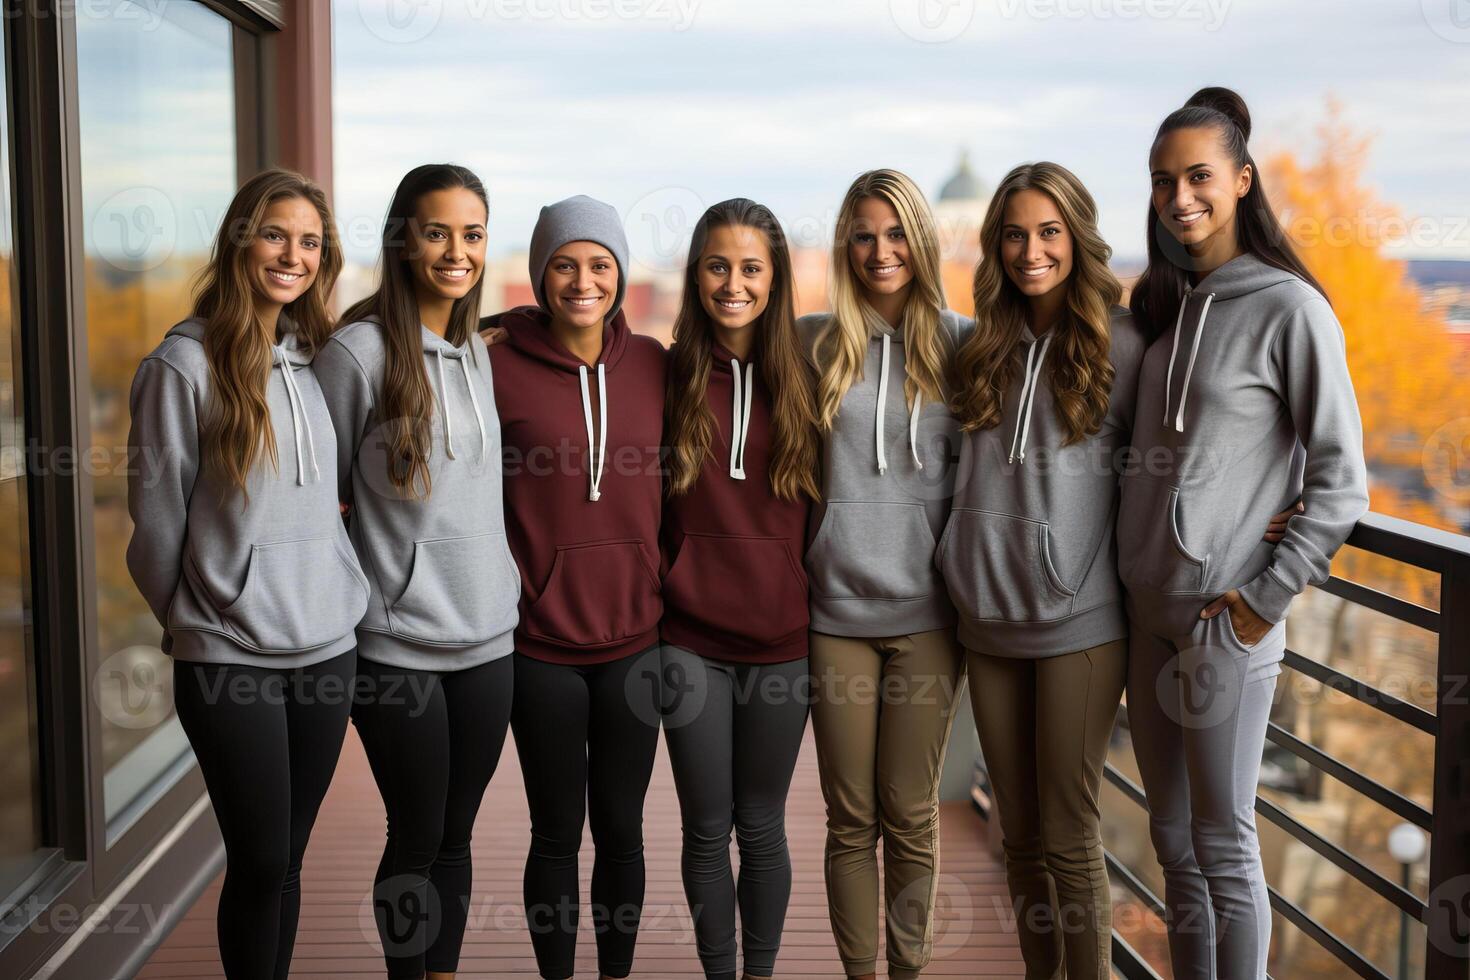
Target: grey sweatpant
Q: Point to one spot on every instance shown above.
(1197, 707)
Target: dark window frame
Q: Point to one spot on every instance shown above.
(46, 181)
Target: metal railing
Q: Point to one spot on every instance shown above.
(1446, 915)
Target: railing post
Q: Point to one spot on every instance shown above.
(1447, 949)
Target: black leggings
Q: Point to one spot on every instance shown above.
(433, 740)
(267, 742)
(734, 732)
(586, 736)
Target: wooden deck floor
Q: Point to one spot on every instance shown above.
(337, 937)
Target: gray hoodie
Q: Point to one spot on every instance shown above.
(444, 585)
(887, 480)
(1029, 555)
(1254, 362)
(268, 583)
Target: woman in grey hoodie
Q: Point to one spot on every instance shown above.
(1247, 363)
(239, 549)
(1047, 386)
(408, 382)
(884, 662)
(1046, 400)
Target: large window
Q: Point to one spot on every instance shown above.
(158, 154)
(20, 804)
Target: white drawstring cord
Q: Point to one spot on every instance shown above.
(740, 418)
(469, 382)
(298, 420)
(444, 407)
(594, 467)
(882, 409)
(1029, 383)
(1174, 351)
(1199, 331)
(914, 429)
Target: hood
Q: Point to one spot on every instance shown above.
(720, 358)
(288, 351)
(529, 330)
(1241, 276)
(289, 348)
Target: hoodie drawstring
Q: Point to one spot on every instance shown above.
(882, 410)
(469, 383)
(1199, 330)
(1032, 381)
(444, 406)
(740, 417)
(595, 466)
(299, 421)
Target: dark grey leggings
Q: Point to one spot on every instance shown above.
(1197, 707)
(734, 731)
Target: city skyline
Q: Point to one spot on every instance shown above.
(752, 101)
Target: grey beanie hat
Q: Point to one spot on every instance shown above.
(578, 219)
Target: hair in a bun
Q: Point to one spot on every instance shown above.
(1227, 102)
(1159, 291)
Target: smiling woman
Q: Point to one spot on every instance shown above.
(405, 371)
(582, 407)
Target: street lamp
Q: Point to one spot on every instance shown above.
(1406, 844)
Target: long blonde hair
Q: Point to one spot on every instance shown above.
(1081, 372)
(842, 347)
(237, 422)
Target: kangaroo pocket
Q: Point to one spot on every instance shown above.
(597, 594)
(1152, 553)
(461, 591)
(873, 550)
(297, 595)
(743, 586)
(999, 567)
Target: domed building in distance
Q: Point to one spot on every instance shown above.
(959, 210)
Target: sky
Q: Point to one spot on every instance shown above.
(662, 107)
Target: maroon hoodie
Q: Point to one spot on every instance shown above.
(589, 568)
(735, 589)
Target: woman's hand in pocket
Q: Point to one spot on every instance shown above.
(1248, 627)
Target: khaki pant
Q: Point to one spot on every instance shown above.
(1044, 728)
(881, 713)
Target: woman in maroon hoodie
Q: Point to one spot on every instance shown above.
(741, 425)
(581, 415)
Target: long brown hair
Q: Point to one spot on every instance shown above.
(1160, 290)
(842, 347)
(1081, 372)
(783, 365)
(407, 410)
(237, 423)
